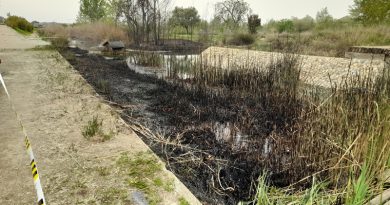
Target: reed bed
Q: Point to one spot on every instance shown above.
(287, 142)
(147, 59)
(338, 136)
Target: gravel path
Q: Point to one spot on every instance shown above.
(10, 39)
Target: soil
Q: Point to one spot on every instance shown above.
(55, 104)
(216, 171)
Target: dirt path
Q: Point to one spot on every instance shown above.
(56, 105)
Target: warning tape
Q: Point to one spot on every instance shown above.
(33, 164)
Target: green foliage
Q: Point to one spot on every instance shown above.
(111, 195)
(92, 10)
(183, 201)
(304, 24)
(371, 11)
(232, 12)
(253, 23)
(19, 23)
(324, 19)
(94, 128)
(113, 11)
(285, 25)
(266, 195)
(59, 43)
(262, 191)
(358, 191)
(311, 195)
(144, 172)
(242, 39)
(185, 17)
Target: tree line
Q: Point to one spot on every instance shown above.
(146, 20)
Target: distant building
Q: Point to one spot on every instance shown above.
(114, 47)
(2, 20)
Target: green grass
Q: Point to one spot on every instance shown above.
(42, 48)
(111, 195)
(144, 173)
(268, 195)
(94, 129)
(183, 201)
(23, 32)
(358, 189)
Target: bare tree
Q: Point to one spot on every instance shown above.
(143, 18)
(232, 12)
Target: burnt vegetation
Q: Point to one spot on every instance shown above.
(220, 129)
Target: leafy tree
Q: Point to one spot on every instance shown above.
(92, 10)
(285, 25)
(323, 16)
(253, 23)
(144, 17)
(324, 19)
(232, 12)
(185, 17)
(304, 24)
(371, 11)
(113, 11)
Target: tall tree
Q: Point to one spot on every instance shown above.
(304, 24)
(114, 11)
(92, 10)
(232, 12)
(324, 19)
(185, 17)
(144, 18)
(371, 11)
(253, 23)
(323, 16)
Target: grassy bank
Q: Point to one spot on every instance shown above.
(21, 25)
(333, 41)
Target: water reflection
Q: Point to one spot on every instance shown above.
(162, 65)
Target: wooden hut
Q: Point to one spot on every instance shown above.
(113, 47)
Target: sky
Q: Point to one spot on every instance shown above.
(65, 11)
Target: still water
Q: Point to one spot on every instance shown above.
(178, 65)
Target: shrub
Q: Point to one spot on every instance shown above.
(285, 25)
(19, 23)
(92, 34)
(59, 43)
(97, 32)
(94, 129)
(242, 39)
(54, 30)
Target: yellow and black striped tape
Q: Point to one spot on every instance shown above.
(33, 164)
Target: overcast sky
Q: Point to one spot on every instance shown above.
(65, 11)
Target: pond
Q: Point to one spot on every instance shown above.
(162, 64)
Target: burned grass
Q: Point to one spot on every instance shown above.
(219, 131)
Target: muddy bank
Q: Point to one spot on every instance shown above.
(217, 146)
(173, 45)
